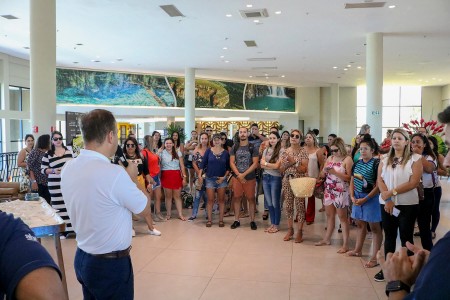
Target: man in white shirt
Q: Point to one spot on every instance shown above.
(100, 198)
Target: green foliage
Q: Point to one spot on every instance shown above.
(176, 128)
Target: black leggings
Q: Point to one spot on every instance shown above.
(424, 218)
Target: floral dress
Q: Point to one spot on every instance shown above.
(336, 189)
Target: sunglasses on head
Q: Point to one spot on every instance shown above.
(57, 139)
(295, 136)
(334, 150)
(130, 145)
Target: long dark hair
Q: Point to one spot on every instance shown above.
(276, 149)
(435, 149)
(43, 142)
(174, 150)
(427, 149)
(136, 147)
(178, 143)
(51, 152)
(159, 141)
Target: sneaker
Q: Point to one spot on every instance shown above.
(191, 219)
(379, 277)
(253, 225)
(155, 232)
(62, 236)
(235, 225)
(133, 233)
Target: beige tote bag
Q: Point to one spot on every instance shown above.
(303, 187)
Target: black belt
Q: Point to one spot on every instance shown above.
(114, 254)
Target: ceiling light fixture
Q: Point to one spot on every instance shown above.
(335, 67)
(278, 12)
(283, 76)
(345, 69)
(225, 48)
(391, 6)
(227, 61)
(9, 17)
(349, 66)
(222, 56)
(228, 15)
(249, 5)
(250, 76)
(359, 67)
(171, 10)
(256, 21)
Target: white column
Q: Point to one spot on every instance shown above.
(335, 119)
(189, 101)
(43, 64)
(374, 82)
(6, 126)
(148, 128)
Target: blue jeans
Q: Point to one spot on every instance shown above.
(272, 197)
(198, 196)
(104, 278)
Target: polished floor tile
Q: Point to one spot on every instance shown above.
(191, 261)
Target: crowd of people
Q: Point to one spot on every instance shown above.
(382, 189)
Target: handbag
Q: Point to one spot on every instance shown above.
(319, 189)
(303, 187)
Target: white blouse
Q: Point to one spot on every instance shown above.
(393, 177)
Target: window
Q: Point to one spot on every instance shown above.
(19, 98)
(400, 105)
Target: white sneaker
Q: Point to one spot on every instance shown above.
(155, 232)
(133, 233)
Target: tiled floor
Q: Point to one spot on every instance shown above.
(190, 261)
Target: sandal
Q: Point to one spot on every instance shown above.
(342, 251)
(208, 224)
(289, 234)
(268, 228)
(221, 224)
(371, 263)
(299, 237)
(353, 253)
(273, 230)
(322, 209)
(322, 243)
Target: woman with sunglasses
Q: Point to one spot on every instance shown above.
(294, 164)
(154, 185)
(173, 177)
(22, 163)
(364, 194)
(157, 143)
(399, 174)
(197, 159)
(441, 171)
(216, 166)
(337, 171)
(270, 162)
(420, 145)
(133, 155)
(51, 165)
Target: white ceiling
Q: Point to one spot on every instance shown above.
(308, 39)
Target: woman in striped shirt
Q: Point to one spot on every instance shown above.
(51, 165)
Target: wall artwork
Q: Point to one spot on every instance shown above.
(107, 88)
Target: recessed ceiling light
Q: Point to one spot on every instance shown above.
(391, 6)
(113, 62)
(334, 67)
(228, 15)
(256, 21)
(227, 61)
(359, 67)
(249, 5)
(349, 66)
(283, 76)
(278, 12)
(222, 56)
(225, 48)
(250, 76)
(345, 69)
(266, 74)
(267, 77)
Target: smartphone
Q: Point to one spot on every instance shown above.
(395, 212)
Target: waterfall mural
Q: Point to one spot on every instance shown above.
(108, 88)
(269, 97)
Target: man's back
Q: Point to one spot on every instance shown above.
(99, 197)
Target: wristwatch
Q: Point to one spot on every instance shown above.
(265, 164)
(396, 285)
(394, 192)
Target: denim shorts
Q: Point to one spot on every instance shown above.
(157, 181)
(211, 183)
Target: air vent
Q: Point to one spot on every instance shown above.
(171, 10)
(250, 43)
(262, 59)
(254, 13)
(264, 68)
(364, 5)
(9, 17)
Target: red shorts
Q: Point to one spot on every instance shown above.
(171, 179)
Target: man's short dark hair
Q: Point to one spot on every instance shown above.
(316, 131)
(333, 135)
(254, 125)
(444, 116)
(97, 124)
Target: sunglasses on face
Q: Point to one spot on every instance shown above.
(130, 145)
(208, 130)
(334, 150)
(295, 136)
(57, 139)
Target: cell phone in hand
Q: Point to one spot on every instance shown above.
(395, 212)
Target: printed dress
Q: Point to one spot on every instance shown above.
(336, 189)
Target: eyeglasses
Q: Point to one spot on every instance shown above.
(57, 139)
(295, 136)
(130, 145)
(334, 150)
(208, 130)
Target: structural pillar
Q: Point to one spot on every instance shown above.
(189, 101)
(374, 83)
(43, 65)
(335, 119)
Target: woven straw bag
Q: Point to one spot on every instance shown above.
(303, 187)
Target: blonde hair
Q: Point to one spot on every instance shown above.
(406, 151)
(340, 144)
(313, 135)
